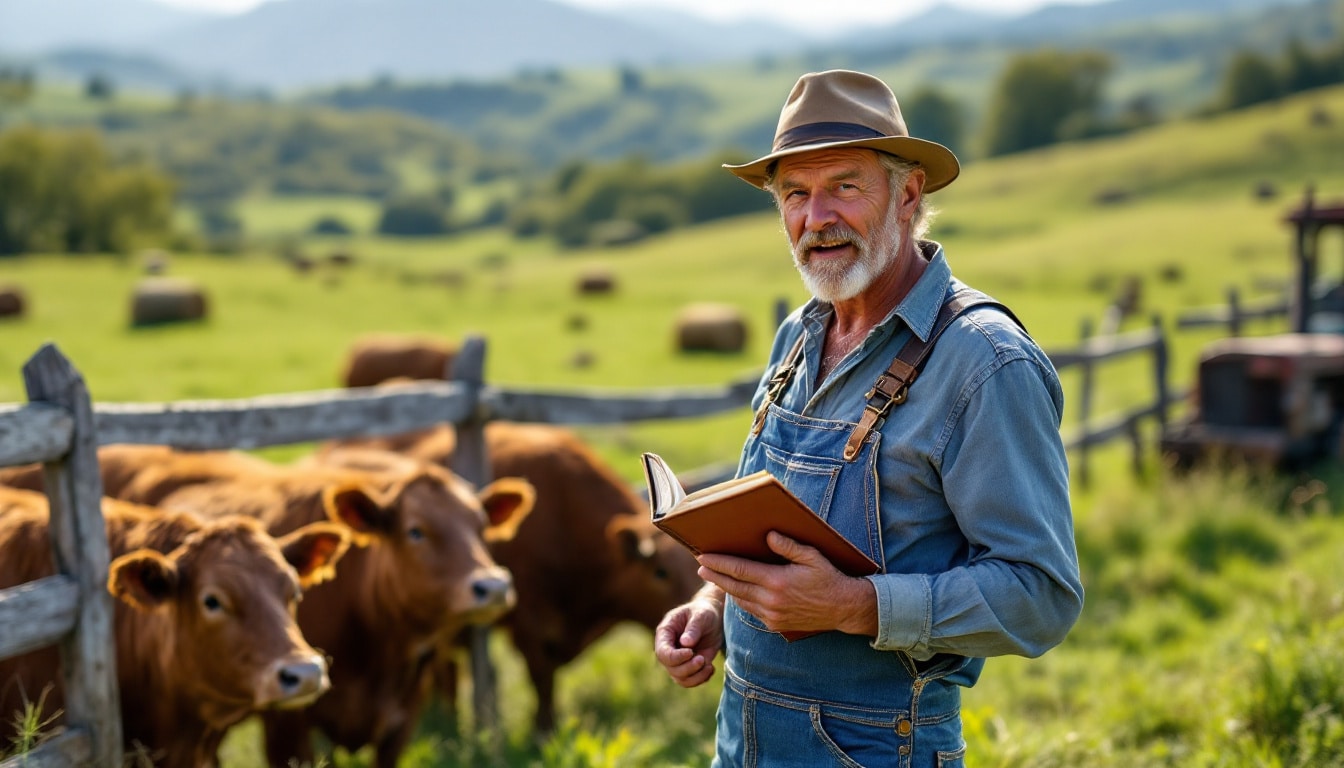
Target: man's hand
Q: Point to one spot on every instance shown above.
(806, 594)
(690, 636)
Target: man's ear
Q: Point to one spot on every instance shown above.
(314, 550)
(911, 193)
(143, 579)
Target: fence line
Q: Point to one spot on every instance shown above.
(63, 429)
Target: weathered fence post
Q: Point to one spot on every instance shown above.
(1161, 372)
(471, 461)
(79, 542)
(1084, 402)
(782, 309)
(1233, 311)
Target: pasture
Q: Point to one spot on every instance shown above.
(1214, 620)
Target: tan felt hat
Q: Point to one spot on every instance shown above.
(839, 109)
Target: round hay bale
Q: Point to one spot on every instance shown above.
(376, 359)
(158, 300)
(711, 327)
(13, 302)
(596, 283)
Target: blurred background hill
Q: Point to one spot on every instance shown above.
(588, 124)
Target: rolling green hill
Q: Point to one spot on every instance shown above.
(1052, 232)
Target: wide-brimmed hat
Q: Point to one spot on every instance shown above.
(841, 109)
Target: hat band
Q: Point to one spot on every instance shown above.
(819, 133)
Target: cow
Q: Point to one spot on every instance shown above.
(586, 559)
(375, 359)
(420, 569)
(204, 626)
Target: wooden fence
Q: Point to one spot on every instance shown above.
(61, 427)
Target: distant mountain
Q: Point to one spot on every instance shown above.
(34, 26)
(727, 40)
(947, 23)
(304, 43)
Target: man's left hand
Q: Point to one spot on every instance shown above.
(806, 594)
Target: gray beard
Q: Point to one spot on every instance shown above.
(840, 282)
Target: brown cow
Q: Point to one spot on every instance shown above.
(423, 571)
(375, 359)
(586, 558)
(205, 631)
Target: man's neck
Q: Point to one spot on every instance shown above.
(875, 302)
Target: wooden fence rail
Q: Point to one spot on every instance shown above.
(61, 428)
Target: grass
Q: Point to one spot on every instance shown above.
(1213, 624)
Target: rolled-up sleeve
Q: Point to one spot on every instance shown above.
(1005, 479)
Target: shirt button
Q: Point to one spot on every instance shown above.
(903, 727)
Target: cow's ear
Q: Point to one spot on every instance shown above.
(507, 502)
(635, 546)
(314, 549)
(144, 579)
(354, 506)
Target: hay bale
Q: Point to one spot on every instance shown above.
(13, 302)
(158, 300)
(596, 283)
(708, 327)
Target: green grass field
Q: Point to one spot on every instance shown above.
(1215, 619)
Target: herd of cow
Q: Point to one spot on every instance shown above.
(332, 593)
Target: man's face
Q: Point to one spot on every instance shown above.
(840, 216)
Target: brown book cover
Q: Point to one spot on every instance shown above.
(733, 518)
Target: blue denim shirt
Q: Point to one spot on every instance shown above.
(976, 524)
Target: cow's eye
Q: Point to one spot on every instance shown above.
(416, 533)
(212, 603)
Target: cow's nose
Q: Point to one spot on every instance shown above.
(299, 681)
(492, 590)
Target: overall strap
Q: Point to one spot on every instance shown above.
(893, 386)
(783, 375)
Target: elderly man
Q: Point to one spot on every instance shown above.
(956, 483)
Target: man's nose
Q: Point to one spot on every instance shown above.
(820, 212)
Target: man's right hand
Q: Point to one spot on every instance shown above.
(690, 636)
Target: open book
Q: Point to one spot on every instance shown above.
(733, 518)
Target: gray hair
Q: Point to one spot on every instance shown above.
(898, 172)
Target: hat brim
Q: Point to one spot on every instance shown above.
(939, 164)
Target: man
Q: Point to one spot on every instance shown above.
(958, 484)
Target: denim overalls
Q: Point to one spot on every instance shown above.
(831, 699)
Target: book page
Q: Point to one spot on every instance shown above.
(665, 491)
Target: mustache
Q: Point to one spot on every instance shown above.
(837, 234)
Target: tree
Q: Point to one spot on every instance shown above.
(933, 115)
(1040, 93)
(16, 86)
(414, 216)
(1250, 79)
(60, 192)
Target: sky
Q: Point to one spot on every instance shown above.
(814, 14)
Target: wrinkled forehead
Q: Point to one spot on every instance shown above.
(237, 555)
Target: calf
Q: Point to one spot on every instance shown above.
(204, 622)
(586, 558)
(420, 571)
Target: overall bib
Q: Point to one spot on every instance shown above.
(830, 699)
